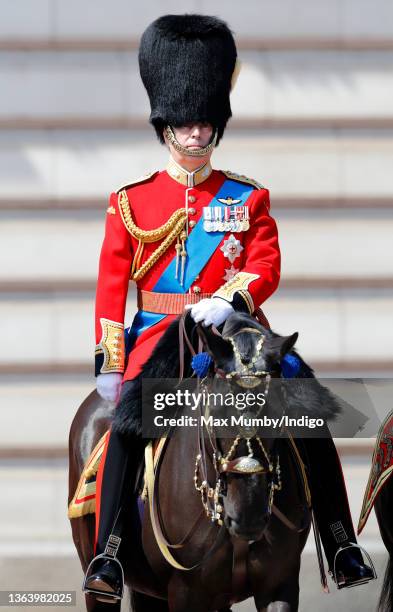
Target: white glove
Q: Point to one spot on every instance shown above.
(210, 311)
(109, 386)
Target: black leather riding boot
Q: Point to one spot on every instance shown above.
(105, 573)
(332, 513)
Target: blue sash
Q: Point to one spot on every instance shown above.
(200, 247)
(200, 244)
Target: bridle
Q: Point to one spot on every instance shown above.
(229, 463)
(223, 464)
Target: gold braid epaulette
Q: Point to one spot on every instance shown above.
(169, 230)
(242, 179)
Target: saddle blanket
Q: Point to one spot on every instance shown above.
(84, 500)
(381, 468)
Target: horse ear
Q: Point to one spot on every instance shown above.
(281, 345)
(219, 349)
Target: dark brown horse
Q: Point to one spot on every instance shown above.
(256, 552)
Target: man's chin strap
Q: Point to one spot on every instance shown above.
(190, 152)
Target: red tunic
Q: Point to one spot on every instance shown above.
(152, 201)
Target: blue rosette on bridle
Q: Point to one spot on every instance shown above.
(201, 363)
(290, 366)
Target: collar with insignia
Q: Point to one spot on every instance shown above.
(189, 179)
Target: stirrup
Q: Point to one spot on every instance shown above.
(109, 554)
(341, 584)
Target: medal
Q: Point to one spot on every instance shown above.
(230, 273)
(231, 248)
(229, 219)
(207, 219)
(217, 214)
(246, 219)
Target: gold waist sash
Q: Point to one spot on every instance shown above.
(167, 303)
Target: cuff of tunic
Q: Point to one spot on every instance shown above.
(110, 351)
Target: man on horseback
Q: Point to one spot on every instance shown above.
(190, 237)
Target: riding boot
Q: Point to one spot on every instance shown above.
(104, 577)
(333, 515)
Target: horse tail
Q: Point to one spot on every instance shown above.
(385, 603)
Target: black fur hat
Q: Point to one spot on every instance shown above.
(186, 64)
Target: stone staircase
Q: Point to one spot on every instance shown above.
(313, 121)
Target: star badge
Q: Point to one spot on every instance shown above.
(228, 201)
(231, 248)
(230, 273)
(111, 210)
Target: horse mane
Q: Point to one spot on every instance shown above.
(305, 394)
(164, 362)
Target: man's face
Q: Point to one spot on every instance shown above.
(194, 135)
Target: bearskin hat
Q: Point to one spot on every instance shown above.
(186, 64)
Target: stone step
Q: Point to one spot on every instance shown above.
(46, 406)
(292, 163)
(58, 328)
(286, 85)
(65, 244)
(55, 20)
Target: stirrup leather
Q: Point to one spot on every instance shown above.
(110, 552)
(341, 583)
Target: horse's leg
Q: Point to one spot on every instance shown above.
(143, 603)
(279, 606)
(186, 595)
(93, 605)
(285, 598)
(190, 603)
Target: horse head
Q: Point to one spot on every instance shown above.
(246, 356)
